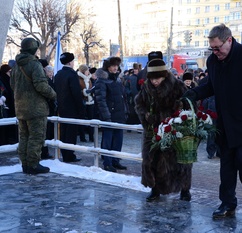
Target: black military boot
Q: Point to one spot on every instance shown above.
(185, 195)
(154, 195)
(37, 169)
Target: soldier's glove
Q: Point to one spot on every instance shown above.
(151, 119)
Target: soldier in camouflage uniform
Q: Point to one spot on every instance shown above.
(31, 92)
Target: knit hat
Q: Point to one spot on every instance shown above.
(44, 62)
(83, 68)
(187, 76)
(66, 58)
(92, 70)
(5, 68)
(156, 68)
(11, 63)
(100, 73)
(29, 45)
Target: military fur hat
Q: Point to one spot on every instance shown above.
(92, 70)
(44, 62)
(29, 45)
(187, 76)
(66, 58)
(100, 73)
(111, 61)
(156, 68)
(155, 54)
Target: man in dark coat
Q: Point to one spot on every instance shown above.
(70, 103)
(110, 99)
(225, 83)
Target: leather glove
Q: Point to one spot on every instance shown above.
(151, 119)
(191, 95)
(90, 91)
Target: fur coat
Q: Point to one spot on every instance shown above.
(159, 168)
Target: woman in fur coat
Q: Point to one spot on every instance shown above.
(157, 100)
(87, 91)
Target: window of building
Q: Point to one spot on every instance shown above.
(238, 4)
(227, 6)
(237, 15)
(197, 0)
(216, 8)
(226, 18)
(206, 21)
(189, 11)
(197, 21)
(206, 32)
(197, 32)
(216, 19)
(197, 10)
(207, 9)
(205, 43)
(197, 43)
(188, 1)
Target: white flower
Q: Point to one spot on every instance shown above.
(3, 98)
(177, 120)
(179, 135)
(208, 120)
(159, 133)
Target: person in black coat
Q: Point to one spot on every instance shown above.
(10, 131)
(225, 82)
(70, 103)
(110, 97)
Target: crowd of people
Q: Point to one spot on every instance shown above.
(31, 92)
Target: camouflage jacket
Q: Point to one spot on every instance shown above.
(30, 93)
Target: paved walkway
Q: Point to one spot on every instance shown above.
(55, 203)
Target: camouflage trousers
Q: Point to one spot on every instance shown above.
(31, 139)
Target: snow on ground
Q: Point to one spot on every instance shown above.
(88, 173)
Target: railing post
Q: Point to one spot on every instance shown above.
(96, 164)
(56, 138)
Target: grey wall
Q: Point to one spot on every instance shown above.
(6, 7)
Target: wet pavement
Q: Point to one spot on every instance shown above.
(53, 202)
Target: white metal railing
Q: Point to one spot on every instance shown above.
(97, 151)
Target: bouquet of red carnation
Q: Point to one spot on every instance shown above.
(184, 126)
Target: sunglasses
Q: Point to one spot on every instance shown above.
(216, 49)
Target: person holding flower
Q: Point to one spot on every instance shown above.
(156, 101)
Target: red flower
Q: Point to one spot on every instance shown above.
(204, 117)
(167, 129)
(156, 130)
(199, 115)
(157, 138)
(167, 120)
(141, 82)
(184, 117)
(200, 108)
(209, 112)
(173, 132)
(213, 115)
(176, 114)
